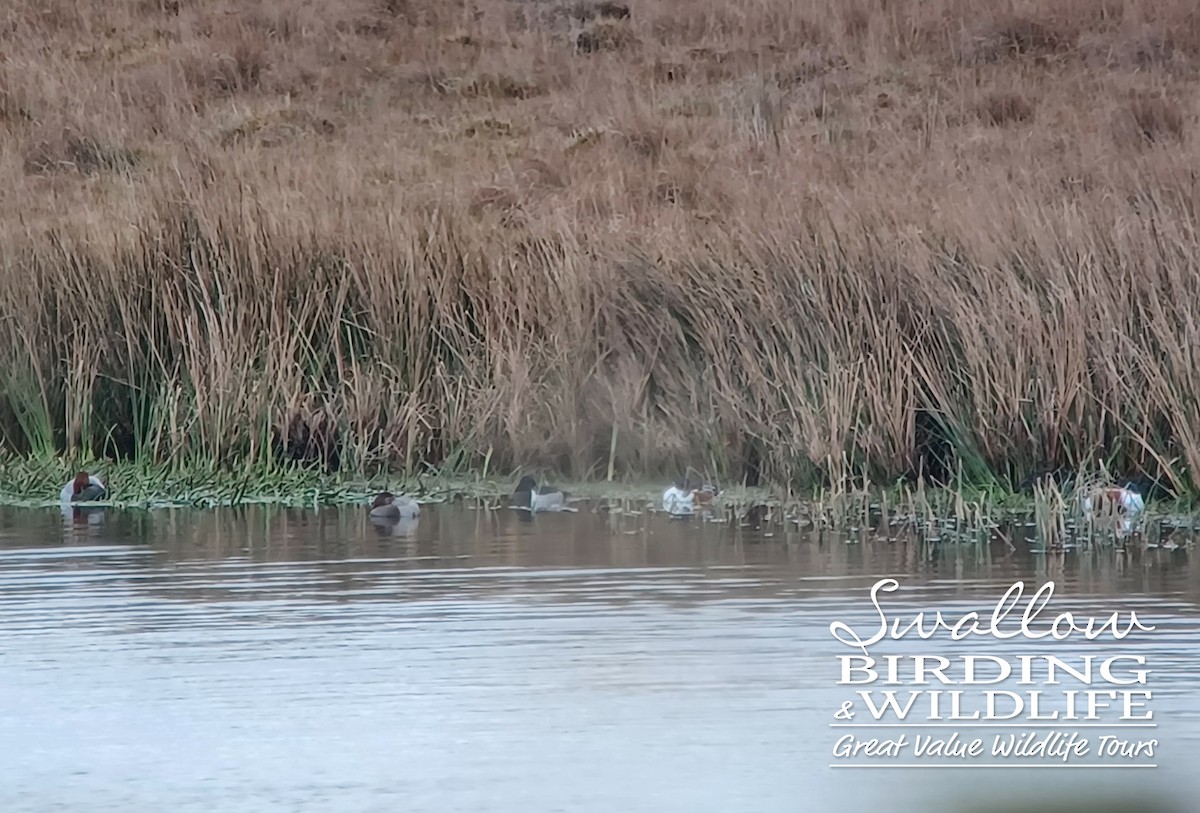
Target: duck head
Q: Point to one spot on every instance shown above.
(383, 498)
(84, 488)
(702, 492)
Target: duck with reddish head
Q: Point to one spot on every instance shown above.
(1118, 505)
(83, 488)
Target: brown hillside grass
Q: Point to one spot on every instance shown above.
(809, 237)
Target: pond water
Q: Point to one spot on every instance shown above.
(269, 659)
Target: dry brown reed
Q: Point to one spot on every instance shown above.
(817, 239)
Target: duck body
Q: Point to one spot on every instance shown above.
(528, 496)
(1124, 501)
(705, 494)
(678, 500)
(1121, 502)
(684, 496)
(83, 487)
(388, 506)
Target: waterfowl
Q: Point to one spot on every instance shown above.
(1122, 502)
(683, 497)
(530, 497)
(705, 494)
(678, 500)
(388, 506)
(83, 488)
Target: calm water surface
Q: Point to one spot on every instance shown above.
(267, 659)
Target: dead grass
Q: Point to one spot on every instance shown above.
(1155, 120)
(806, 238)
(1000, 108)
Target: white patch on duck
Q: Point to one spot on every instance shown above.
(528, 496)
(678, 501)
(1125, 503)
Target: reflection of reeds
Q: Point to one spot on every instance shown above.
(951, 515)
(750, 239)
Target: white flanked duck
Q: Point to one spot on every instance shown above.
(533, 498)
(681, 498)
(1120, 502)
(387, 506)
(678, 500)
(83, 487)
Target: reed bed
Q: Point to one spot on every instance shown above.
(802, 242)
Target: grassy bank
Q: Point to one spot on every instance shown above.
(790, 240)
(35, 483)
(1052, 519)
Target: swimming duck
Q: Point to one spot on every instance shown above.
(705, 494)
(678, 500)
(83, 488)
(389, 506)
(683, 497)
(530, 497)
(1122, 501)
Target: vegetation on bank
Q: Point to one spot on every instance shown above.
(34, 482)
(1051, 519)
(791, 241)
